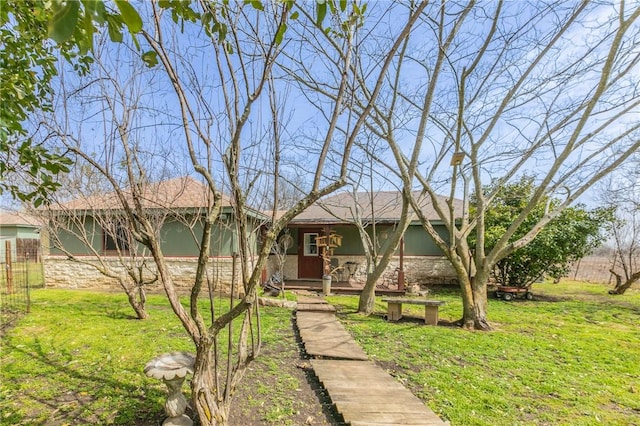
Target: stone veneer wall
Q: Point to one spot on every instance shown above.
(418, 269)
(61, 272)
(430, 270)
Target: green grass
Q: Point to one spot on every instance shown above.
(78, 359)
(570, 357)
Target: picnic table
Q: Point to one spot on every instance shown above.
(394, 308)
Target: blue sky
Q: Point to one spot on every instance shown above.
(156, 128)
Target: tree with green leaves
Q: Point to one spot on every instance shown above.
(563, 241)
(27, 66)
(29, 61)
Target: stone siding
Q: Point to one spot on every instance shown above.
(61, 272)
(426, 270)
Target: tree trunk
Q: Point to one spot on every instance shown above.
(139, 308)
(212, 409)
(467, 304)
(474, 302)
(621, 287)
(368, 295)
(480, 306)
(367, 300)
(137, 299)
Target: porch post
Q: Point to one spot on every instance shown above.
(401, 269)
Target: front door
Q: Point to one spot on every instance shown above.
(309, 259)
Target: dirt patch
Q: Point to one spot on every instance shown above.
(280, 388)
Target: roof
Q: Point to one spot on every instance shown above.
(182, 192)
(383, 206)
(8, 218)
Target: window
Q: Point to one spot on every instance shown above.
(310, 246)
(116, 238)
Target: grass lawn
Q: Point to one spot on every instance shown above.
(569, 357)
(78, 358)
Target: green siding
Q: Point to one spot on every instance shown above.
(74, 245)
(223, 242)
(8, 231)
(27, 232)
(178, 240)
(418, 243)
(293, 232)
(19, 231)
(351, 243)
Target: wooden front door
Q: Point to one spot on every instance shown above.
(309, 259)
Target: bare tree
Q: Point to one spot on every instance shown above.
(372, 58)
(106, 241)
(276, 284)
(215, 112)
(378, 254)
(381, 219)
(486, 93)
(626, 234)
(565, 114)
(621, 193)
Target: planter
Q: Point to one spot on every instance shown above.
(326, 285)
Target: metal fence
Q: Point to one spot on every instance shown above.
(21, 270)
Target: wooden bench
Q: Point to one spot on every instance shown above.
(394, 308)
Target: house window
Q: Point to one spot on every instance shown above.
(310, 246)
(116, 238)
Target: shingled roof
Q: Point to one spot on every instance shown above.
(385, 206)
(10, 218)
(181, 192)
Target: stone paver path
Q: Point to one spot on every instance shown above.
(363, 393)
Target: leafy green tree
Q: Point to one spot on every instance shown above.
(566, 239)
(28, 64)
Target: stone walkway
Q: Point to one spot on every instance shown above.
(363, 393)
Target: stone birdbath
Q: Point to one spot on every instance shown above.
(172, 368)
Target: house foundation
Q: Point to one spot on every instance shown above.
(62, 272)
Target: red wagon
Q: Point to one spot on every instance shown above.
(508, 293)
